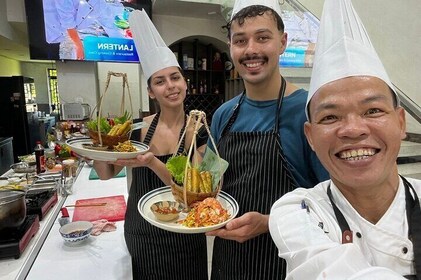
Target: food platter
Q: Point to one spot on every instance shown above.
(164, 193)
(77, 145)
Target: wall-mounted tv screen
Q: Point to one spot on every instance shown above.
(302, 28)
(87, 30)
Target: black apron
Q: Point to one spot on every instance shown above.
(257, 176)
(156, 253)
(413, 212)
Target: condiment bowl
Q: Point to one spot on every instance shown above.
(75, 232)
(166, 210)
(23, 167)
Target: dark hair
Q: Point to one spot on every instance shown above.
(149, 80)
(254, 11)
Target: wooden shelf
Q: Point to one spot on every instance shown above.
(206, 87)
(207, 103)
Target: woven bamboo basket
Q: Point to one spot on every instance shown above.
(180, 193)
(191, 197)
(107, 140)
(104, 140)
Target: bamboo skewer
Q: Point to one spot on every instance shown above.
(86, 205)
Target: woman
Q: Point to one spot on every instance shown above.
(156, 253)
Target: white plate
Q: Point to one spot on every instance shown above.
(164, 193)
(76, 145)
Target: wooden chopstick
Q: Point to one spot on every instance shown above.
(86, 205)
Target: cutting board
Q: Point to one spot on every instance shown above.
(113, 211)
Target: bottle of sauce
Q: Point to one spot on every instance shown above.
(39, 157)
(201, 87)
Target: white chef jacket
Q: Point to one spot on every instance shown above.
(60, 15)
(311, 240)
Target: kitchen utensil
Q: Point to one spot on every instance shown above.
(114, 210)
(12, 208)
(23, 167)
(139, 125)
(64, 217)
(88, 205)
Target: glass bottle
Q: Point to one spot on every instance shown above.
(39, 157)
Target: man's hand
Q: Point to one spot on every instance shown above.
(243, 228)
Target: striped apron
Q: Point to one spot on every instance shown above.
(156, 253)
(257, 176)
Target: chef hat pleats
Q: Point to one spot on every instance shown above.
(343, 48)
(153, 53)
(241, 4)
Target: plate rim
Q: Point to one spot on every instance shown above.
(163, 225)
(103, 155)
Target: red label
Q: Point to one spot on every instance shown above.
(42, 163)
(347, 237)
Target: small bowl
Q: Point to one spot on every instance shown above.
(166, 210)
(76, 232)
(23, 167)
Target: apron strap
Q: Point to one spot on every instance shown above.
(343, 224)
(413, 212)
(152, 128)
(236, 109)
(278, 108)
(234, 115)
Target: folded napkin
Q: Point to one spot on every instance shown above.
(94, 176)
(101, 226)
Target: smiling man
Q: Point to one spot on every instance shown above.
(364, 223)
(260, 133)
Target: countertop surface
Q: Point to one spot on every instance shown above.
(100, 257)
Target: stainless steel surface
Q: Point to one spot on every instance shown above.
(12, 208)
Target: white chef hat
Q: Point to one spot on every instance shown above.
(154, 54)
(241, 4)
(343, 48)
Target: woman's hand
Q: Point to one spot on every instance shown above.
(141, 160)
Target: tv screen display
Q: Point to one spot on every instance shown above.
(87, 30)
(302, 29)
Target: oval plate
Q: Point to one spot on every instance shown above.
(77, 146)
(164, 193)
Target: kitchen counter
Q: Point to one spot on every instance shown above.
(49, 257)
